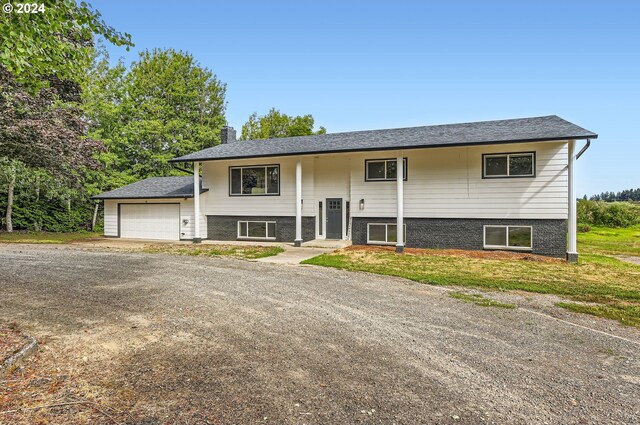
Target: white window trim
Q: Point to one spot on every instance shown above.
(266, 181)
(386, 233)
(508, 156)
(266, 230)
(385, 178)
(505, 247)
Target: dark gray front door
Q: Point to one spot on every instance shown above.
(334, 218)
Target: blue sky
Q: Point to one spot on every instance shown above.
(357, 65)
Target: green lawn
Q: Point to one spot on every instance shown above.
(599, 283)
(45, 237)
(603, 240)
(239, 251)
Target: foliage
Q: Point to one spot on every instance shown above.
(45, 130)
(600, 213)
(624, 195)
(166, 105)
(35, 46)
(276, 124)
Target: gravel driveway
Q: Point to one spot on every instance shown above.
(206, 340)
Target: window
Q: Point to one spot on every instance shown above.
(320, 217)
(507, 237)
(384, 233)
(256, 180)
(256, 230)
(383, 169)
(509, 165)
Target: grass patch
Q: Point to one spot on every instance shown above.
(238, 251)
(595, 278)
(46, 237)
(625, 314)
(480, 300)
(610, 241)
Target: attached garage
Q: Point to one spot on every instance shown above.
(150, 221)
(155, 208)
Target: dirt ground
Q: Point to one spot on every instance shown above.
(11, 340)
(135, 338)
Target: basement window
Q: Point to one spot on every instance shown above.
(508, 237)
(384, 233)
(383, 169)
(256, 230)
(522, 164)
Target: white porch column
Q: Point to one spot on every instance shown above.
(298, 240)
(196, 202)
(572, 245)
(400, 199)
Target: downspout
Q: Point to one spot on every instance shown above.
(572, 246)
(584, 149)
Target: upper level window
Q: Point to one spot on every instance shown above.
(509, 165)
(254, 180)
(383, 169)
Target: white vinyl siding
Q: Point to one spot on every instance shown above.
(215, 177)
(448, 183)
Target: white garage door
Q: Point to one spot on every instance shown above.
(150, 221)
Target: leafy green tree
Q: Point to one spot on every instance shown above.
(167, 105)
(43, 58)
(276, 124)
(58, 40)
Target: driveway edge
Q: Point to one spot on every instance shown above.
(29, 349)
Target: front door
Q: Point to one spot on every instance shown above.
(334, 218)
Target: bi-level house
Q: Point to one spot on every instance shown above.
(504, 185)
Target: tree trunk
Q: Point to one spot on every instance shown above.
(95, 217)
(69, 203)
(12, 185)
(37, 188)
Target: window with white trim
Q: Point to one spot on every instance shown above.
(507, 237)
(256, 229)
(383, 169)
(254, 180)
(522, 164)
(384, 233)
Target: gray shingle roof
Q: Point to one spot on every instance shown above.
(545, 128)
(155, 187)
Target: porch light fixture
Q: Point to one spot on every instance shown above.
(361, 204)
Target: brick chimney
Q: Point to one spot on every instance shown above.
(227, 135)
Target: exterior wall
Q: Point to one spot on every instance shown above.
(215, 177)
(332, 180)
(225, 228)
(186, 213)
(548, 235)
(448, 183)
(442, 183)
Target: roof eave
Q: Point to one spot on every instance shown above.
(452, 145)
(184, 196)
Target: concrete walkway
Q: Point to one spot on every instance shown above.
(294, 255)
